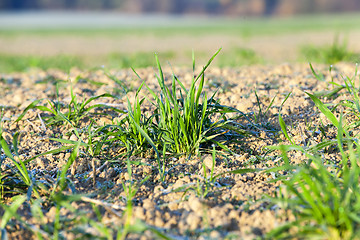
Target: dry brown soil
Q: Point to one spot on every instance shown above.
(234, 205)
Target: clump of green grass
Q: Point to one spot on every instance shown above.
(332, 54)
(75, 110)
(351, 106)
(186, 120)
(326, 204)
(140, 127)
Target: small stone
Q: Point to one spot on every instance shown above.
(208, 161)
(171, 223)
(73, 137)
(226, 196)
(158, 189)
(215, 235)
(102, 174)
(41, 162)
(51, 213)
(195, 204)
(159, 222)
(148, 204)
(193, 221)
(105, 120)
(173, 206)
(147, 170)
(139, 212)
(126, 176)
(110, 173)
(182, 160)
(67, 155)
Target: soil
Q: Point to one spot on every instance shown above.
(235, 205)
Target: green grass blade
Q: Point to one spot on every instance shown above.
(200, 88)
(30, 106)
(207, 65)
(284, 129)
(319, 77)
(181, 85)
(270, 105)
(136, 73)
(70, 161)
(15, 143)
(95, 98)
(145, 135)
(321, 145)
(10, 211)
(20, 167)
(328, 93)
(258, 102)
(66, 141)
(282, 122)
(286, 148)
(54, 151)
(284, 155)
(203, 112)
(286, 98)
(324, 110)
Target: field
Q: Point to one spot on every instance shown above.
(245, 142)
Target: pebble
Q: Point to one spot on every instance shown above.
(208, 161)
(193, 221)
(73, 137)
(195, 204)
(148, 204)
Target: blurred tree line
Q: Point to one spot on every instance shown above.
(229, 7)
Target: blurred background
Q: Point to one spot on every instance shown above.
(126, 33)
(221, 7)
